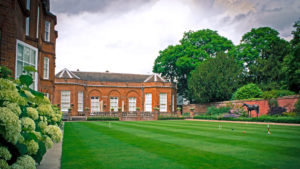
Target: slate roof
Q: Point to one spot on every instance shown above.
(108, 77)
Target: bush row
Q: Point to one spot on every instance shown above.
(170, 118)
(279, 119)
(29, 124)
(101, 118)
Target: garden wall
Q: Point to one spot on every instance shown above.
(287, 102)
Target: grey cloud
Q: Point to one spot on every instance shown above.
(78, 6)
(242, 16)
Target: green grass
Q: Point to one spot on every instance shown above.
(179, 144)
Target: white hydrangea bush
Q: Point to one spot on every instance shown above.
(11, 125)
(27, 124)
(24, 162)
(28, 121)
(32, 113)
(4, 164)
(54, 132)
(4, 153)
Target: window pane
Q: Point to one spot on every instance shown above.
(95, 107)
(46, 68)
(27, 26)
(132, 104)
(32, 57)
(114, 103)
(19, 68)
(148, 102)
(26, 54)
(80, 101)
(47, 31)
(65, 100)
(163, 102)
(20, 52)
(28, 4)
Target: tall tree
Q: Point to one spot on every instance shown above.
(291, 64)
(176, 62)
(261, 51)
(215, 79)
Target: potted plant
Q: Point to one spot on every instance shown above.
(119, 109)
(138, 108)
(156, 108)
(192, 112)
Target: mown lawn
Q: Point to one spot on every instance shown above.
(179, 144)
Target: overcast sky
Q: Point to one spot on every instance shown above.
(125, 36)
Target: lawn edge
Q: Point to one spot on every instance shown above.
(248, 122)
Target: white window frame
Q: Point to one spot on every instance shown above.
(173, 103)
(47, 30)
(95, 106)
(46, 68)
(28, 5)
(114, 102)
(27, 26)
(80, 101)
(37, 22)
(65, 100)
(132, 104)
(36, 62)
(163, 100)
(148, 102)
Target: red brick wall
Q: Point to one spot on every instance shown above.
(123, 92)
(12, 25)
(287, 102)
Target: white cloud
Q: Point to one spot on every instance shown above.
(129, 42)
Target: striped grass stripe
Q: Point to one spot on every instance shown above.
(179, 144)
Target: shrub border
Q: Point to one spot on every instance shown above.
(254, 119)
(100, 118)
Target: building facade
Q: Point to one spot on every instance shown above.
(28, 38)
(111, 92)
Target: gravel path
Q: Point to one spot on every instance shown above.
(51, 159)
(249, 122)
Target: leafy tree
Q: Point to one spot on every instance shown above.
(291, 63)
(176, 62)
(215, 79)
(247, 91)
(261, 51)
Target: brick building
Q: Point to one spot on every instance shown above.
(108, 92)
(28, 37)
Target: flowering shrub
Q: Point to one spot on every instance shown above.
(11, 125)
(3, 164)
(9, 92)
(48, 142)
(14, 107)
(24, 162)
(28, 124)
(32, 113)
(54, 132)
(32, 147)
(4, 153)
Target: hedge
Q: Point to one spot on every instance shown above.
(276, 93)
(100, 118)
(247, 91)
(279, 119)
(170, 118)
